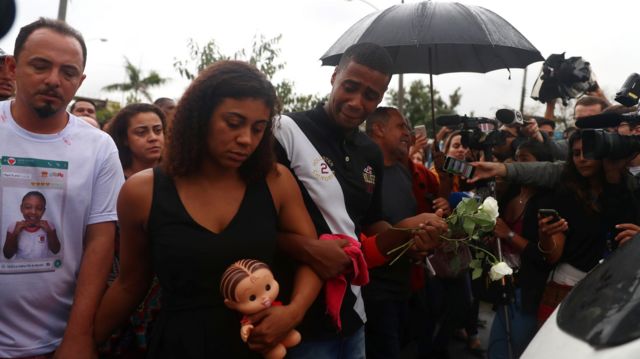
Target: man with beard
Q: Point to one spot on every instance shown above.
(46, 149)
(7, 81)
(407, 189)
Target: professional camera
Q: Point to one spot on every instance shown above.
(477, 133)
(598, 144)
(563, 78)
(630, 91)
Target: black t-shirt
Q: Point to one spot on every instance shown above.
(392, 282)
(340, 176)
(586, 238)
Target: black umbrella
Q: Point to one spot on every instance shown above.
(438, 38)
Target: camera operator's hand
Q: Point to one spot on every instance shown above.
(442, 134)
(596, 91)
(531, 130)
(419, 144)
(485, 170)
(549, 111)
(628, 230)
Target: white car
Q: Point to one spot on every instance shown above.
(600, 318)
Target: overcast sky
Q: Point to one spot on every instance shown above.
(153, 33)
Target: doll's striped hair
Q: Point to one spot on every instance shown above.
(236, 273)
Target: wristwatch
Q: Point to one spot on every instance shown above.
(510, 236)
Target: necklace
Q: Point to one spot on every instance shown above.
(522, 199)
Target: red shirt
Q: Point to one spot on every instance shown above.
(425, 186)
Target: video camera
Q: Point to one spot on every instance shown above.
(598, 143)
(476, 133)
(481, 133)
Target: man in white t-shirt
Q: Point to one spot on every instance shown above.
(50, 306)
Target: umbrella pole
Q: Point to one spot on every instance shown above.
(433, 111)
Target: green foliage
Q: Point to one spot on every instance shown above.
(469, 221)
(136, 85)
(199, 57)
(264, 55)
(476, 266)
(108, 112)
(417, 103)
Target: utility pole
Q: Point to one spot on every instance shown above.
(524, 90)
(401, 88)
(62, 10)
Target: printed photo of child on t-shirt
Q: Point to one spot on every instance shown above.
(32, 237)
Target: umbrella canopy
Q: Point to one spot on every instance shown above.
(439, 37)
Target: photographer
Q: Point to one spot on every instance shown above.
(545, 126)
(549, 175)
(532, 130)
(590, 200)
(517, 132)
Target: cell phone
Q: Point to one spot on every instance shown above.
(420, 130)
(548, 212)
(458, 167)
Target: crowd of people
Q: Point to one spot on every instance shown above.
(126, 227)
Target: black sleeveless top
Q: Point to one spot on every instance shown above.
(189, 261)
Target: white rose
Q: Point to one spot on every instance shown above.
(490, 207)
(499, 270)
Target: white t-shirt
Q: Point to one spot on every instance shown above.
(79, 174)
(32, 244)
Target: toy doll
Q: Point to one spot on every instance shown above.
(248, 287)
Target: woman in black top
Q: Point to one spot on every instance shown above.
(591, 200)
(219, 197)
(517, 228)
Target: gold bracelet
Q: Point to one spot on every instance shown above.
(549, 251)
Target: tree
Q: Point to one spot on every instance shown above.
(264, 55)
(104, 114)
(417, 103)
(137, 85)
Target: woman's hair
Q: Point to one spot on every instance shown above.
(575, 182)
(119, 126)
(537, 149)
(541, 153)
(35, 194)
(235, 274)
(449, 139)
(187, 143)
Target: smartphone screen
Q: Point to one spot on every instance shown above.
(544, 212)
(458, 167)
(420, 130)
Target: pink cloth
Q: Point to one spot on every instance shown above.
(335, 288)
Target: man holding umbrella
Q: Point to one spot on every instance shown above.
(340, 171)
